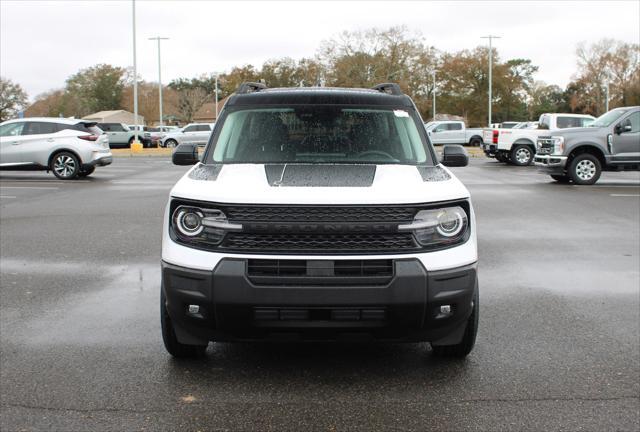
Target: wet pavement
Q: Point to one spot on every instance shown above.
(80, 346)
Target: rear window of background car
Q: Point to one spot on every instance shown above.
(39, 128)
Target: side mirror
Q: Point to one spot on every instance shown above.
(185, 154)
(454, 156)
(618, 129)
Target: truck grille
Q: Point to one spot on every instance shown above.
(319, 214)
(315, 229)
(320, 243)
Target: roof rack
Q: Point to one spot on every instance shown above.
(389, 88)
(250, 87)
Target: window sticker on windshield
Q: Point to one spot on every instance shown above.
(401, 113)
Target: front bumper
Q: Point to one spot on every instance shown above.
(550, 164)
(235, 306)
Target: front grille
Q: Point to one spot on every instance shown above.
(315, 229)
(319, 214)
(322, 243)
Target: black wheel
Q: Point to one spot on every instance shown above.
(65, 165)
(561, 178)
(521, 155)
(169, 338)
(475, 142)
(86, 172)
(170, 143)
(585, 169)
(131, 140)
(468, 340)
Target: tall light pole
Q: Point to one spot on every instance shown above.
(216, 84)
(135, 75)
(490, 37)
(434, 95)
(158, 38)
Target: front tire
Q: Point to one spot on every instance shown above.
(521, 155)
(65, 165)
(468, 341)
(171, 343)
(170, 143)
(475, 142)
(585, 169)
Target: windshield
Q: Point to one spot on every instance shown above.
(320, 134)
(608, 118)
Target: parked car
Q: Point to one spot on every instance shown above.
(319, 213)
(121, 135)
(518, 146)
(610, 143)
(156, 133)
(453, 132)
(193, 133)
(67, 147)
(508, 125)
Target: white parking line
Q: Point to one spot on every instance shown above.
(27, 187)
(6, 196)
(624, 195)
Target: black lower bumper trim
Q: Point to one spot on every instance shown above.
(232, 308)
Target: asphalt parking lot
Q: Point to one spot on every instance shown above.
(80, 345)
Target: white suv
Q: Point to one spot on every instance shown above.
(319, 214)
(68, 147)
(193, 133)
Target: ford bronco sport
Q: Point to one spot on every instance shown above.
(319, 214)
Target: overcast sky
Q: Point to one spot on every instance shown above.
(43, 42)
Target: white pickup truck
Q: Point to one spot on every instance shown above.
(518, 145)
(453, 132)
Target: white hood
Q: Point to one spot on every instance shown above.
(250, 184)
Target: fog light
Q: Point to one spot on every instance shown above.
(445, 309)
(194, 309)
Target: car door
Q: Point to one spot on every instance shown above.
(440, 134)
(456, 133)
(39, 139)
(626, 139)
(10, 140)
(189, 134)
(203, 134)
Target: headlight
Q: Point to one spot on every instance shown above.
(439, 227)
(200, 225)
(558, 144)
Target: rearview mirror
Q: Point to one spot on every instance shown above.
(185, 154)
(454, 156)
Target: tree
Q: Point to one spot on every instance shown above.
(606, 61)
(12, 99)
(544, 98)
(97, 88)
(191, 95)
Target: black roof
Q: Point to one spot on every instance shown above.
(319, 95)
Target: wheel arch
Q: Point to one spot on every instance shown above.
(524, 141)
(474, 137)
(62, 150)
(587, 148)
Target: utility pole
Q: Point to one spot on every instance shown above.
(490, 37)
(158, 38)
(216, 84)
(135, 76)
(434, 95)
